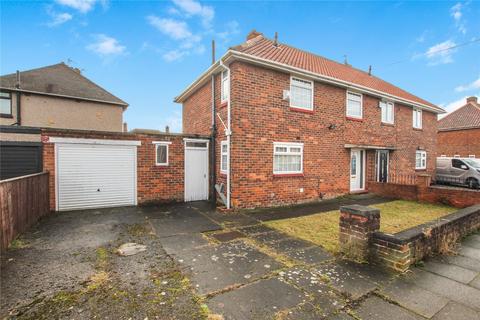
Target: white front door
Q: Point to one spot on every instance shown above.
(357, 170)
(196, 170)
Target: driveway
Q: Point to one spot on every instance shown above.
(199, 261)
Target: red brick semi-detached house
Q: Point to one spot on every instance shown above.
(459, 132)
(291, 126)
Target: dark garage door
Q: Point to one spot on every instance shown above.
(19, 159)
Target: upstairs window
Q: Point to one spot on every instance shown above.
(387, 112)
(420, 159)
(225, 86)
(224, 157)
(417, 118)
(161, 152)
(354, 105)
(287, 158)
(5, 103)
(301, 93)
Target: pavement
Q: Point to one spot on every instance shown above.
(238, 268)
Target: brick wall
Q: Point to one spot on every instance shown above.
(197, 111)
(459, 142)
(154, 183)
(260, 117)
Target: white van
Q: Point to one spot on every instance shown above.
(458, 171)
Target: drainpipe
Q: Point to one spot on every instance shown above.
(19, 114)
(214, 138)
(228, 133)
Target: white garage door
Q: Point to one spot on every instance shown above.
(95, 176)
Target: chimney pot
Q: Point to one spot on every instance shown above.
(472, 99)
(167, 129)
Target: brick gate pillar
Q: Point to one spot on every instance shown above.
(357, 225)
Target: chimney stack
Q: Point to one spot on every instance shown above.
(167, 129)
(275, 42)
(125, 127)
(472, 99)
(370, 70)
(253, 34)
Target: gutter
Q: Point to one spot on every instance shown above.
(321, 78)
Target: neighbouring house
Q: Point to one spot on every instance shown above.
(459, 131)
(56, 96)
(290, 126)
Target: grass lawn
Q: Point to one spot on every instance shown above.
(395, 216)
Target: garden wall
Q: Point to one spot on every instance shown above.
(423, 191)
(399, 251)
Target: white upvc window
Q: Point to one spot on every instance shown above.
(5, 103)
(161, 152)
(443, 156)
(417, 118)
(224, 157)
(225, 84)
(420, 159)
(471, 156)
(354, 105)
(287, 158)
(388, 112)
(301, 93)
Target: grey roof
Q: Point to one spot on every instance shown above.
(60, 79)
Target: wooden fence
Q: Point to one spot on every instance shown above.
(23, 200)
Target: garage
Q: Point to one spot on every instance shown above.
(95, 173)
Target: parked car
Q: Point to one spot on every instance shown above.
(458, 171)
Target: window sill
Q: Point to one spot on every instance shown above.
(223, 174)
(354, 119)
(386, 124)
(6, 115)
(161, 165)
(223, 104)
(285, 175)
(419, 170)
(295, 109)
(418, 129)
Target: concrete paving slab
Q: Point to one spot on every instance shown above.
(450, 271)
(345, 281)
(290, 244)
(374, 308)
(369, 272)
(269, 237)
(445, 287)
(472, 242)
(227, 236)
(475, 282)
(233, 263)
(309, 311)
(314, 255)
(469, 252)
(461, 261)
(183, 242)
(256, 229)
(231, 219)
(260, 300)
(455, 311)
(183, 222)
(340, 316)
(416, 299)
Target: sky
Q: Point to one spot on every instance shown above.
(147, 52)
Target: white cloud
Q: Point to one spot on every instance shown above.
(174, 55)
(441, 53)
(106, 46)
(81, 5)
(195, 8)
(457, 15)
(174, 122)
(454, 105)
(231, 28)
(175, 29)
(468, 87)
(59, 18)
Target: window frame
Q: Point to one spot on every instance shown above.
(288, 145)
(162, 143)
(292, 78)
(222, 153)
(224, 95)
(361, 105)
(383, 106)
(471, 156)
(423, 156)
(7, 115)
(414, 118)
